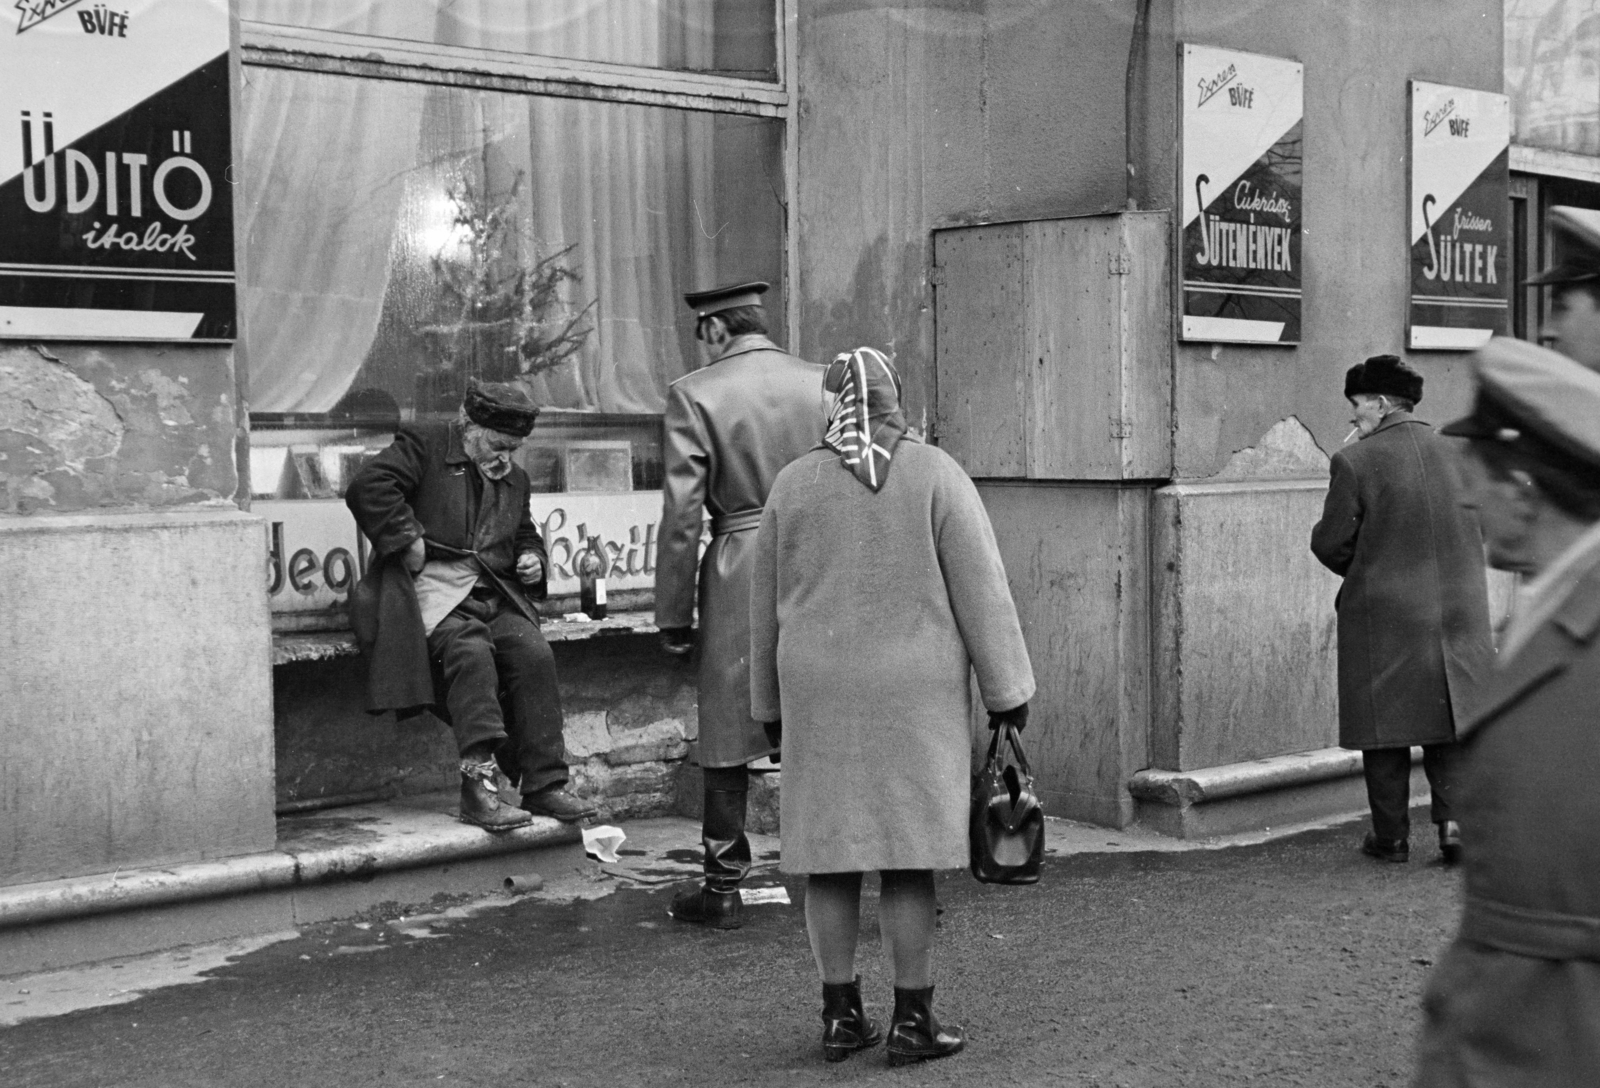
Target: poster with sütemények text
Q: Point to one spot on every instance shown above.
(1241, 180)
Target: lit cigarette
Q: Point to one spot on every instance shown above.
(1353, 432)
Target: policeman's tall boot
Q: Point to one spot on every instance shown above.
(717, 903)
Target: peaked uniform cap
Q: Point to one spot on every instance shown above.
(714, 301)
(1536, 397)
(1576, 246)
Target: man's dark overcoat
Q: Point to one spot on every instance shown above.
(1516, 999)
(1414, 638)
(424, 485)
(730, 428)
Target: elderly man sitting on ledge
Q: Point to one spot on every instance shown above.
(444, 612)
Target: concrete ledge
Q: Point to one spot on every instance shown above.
(1253, 776)
(355, 844)
(1257, 794)
(291, 647)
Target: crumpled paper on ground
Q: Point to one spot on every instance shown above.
(603, 841)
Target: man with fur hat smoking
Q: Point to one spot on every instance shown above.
(444, 612)
(1515, 1000)
(1413, 612)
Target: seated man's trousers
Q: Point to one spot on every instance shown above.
(499, 679)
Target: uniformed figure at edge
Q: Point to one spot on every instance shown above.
(1414, 639)
(1573, 327)
(1515, 1000)
(729, 428)
(444, 613)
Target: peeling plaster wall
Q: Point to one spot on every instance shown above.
(124, 427)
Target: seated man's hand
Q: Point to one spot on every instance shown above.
(677, 641)
(530, 568)
(416, 554)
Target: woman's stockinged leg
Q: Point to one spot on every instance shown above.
(833, 921)
(907, 914)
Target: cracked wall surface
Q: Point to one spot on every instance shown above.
(106, 427)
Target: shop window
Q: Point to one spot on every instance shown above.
(1550, 67)
(405, 238)
(728, 37)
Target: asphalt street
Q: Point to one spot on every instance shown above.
(1290, 962)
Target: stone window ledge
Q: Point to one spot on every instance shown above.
(291, 647)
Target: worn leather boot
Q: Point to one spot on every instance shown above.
(480, 799)
(1450, 842)
(845, 1027)
(727, 860)
(915, 1034)
(1395, 850)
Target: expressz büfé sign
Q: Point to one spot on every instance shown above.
(116, 195)
(1241, 196)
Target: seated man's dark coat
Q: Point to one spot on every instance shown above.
(424, 485)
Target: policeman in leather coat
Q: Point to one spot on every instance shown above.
(730, 427)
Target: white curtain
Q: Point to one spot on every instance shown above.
(324, 168)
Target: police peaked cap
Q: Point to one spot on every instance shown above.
(500, 406)
(714, 301)
(1537, 401)
(1384, 376)
(1576, 247)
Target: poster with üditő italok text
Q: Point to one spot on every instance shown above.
(116, 194)
(1460, 155)
(1241, 149)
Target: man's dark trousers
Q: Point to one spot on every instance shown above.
(499, 681)
(1388, 775)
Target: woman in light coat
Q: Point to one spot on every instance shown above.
(877, 591)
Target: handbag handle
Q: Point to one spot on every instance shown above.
(1015, 740)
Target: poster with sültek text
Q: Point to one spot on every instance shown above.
(1460, 155)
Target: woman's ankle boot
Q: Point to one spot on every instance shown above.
(915, 1033)
(845, 1027)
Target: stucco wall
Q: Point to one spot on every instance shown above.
(85, 427)
(1358, 55)
(915, 116)
(135, 707)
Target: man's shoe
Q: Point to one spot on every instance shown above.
(915, 1034)
(1395, 850)
(1450, 842)
(480, 799)
(704, 907)
(845, 1027)
(556, 801)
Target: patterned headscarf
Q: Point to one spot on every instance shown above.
(865, 422)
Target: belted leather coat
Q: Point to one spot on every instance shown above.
(730, 427)
(424, 485)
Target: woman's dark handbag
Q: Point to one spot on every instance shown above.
(1006, 833)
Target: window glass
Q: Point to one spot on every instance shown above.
(403, 239)
(729, 37)
(1551, 48)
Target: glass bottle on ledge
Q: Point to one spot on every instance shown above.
(592, 581)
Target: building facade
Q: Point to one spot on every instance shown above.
(424, 193)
